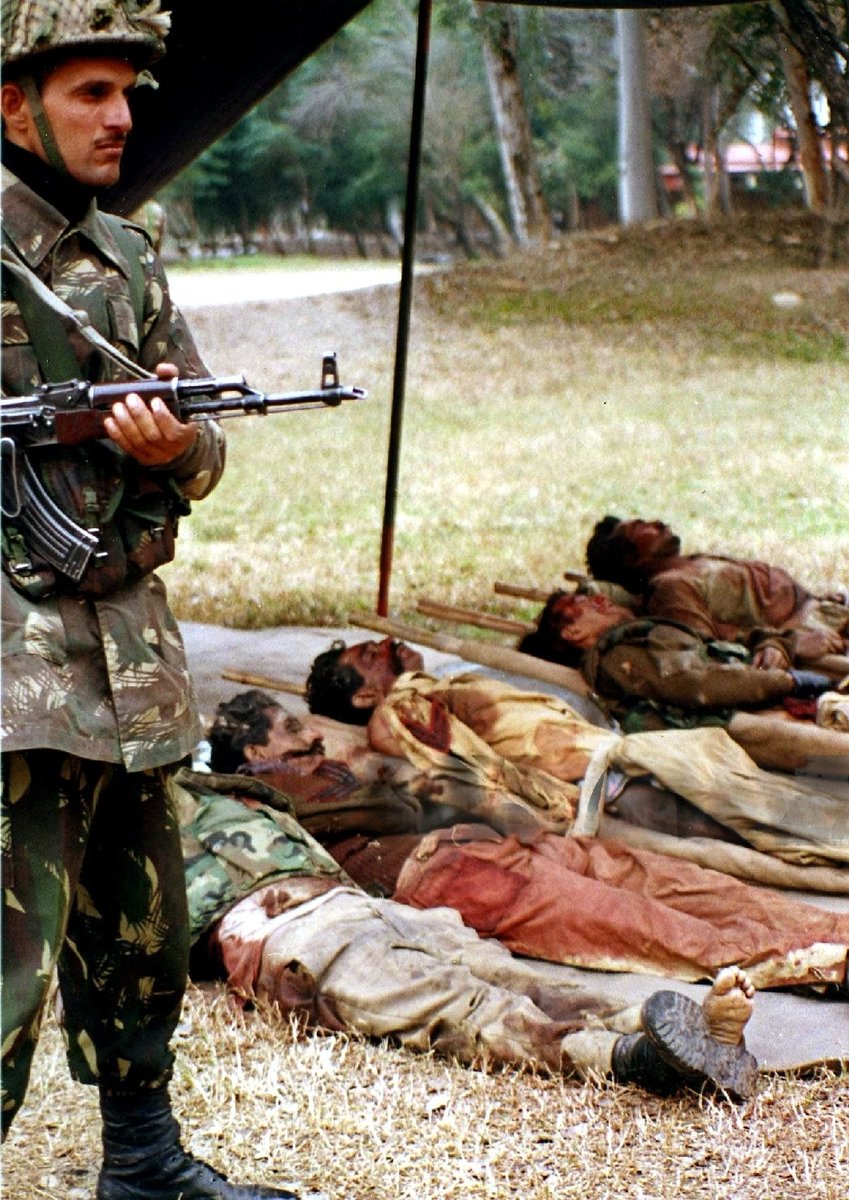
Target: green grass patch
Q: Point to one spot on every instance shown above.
(528, 416)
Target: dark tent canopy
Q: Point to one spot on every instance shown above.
(220, 62)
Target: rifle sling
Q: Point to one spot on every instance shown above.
(49, 340)
(48, 302)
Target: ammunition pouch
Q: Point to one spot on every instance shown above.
(132, 512)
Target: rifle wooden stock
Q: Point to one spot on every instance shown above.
(471, 616)
(485, 653)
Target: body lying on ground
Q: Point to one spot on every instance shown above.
(654, 673)
(566, 899)
(718, 596)
(283, 924)
(503, 742)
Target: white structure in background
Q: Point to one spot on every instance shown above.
(637, 186)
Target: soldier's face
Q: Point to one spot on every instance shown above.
(86, 101)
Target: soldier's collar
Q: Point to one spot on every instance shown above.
(66, 195)
(33, 225)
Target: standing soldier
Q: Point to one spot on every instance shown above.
(96, 695)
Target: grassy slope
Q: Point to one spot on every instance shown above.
(647, 372)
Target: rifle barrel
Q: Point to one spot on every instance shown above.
(250, 402)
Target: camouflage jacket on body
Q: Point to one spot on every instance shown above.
(230, 850)
(659, 673)
(103, 678)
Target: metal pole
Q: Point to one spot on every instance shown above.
(404, 306)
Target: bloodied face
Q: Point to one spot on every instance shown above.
(581, 620)
(289, 740)
(380, 663)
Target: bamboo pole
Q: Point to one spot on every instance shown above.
(261, 681)
(520, 592)
(487, 654)
(471, 616)
(526, 592)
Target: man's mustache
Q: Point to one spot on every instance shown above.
(316, 746)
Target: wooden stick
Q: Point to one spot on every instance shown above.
(261, 681)
(526, 592)
(521, 593)
(486, 653)
(470, 616)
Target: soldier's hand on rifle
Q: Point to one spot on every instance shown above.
(151, 434)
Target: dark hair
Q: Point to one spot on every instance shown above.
(610, 553)
(240, 722)
(545, 641)
(331, 688)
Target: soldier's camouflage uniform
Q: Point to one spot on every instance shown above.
(230, 850)
(96, 702)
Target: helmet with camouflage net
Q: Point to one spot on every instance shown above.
(134, 28)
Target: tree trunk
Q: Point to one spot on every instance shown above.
(529, 216)
(395, 224)
(811, 156)
(498, 231)
(717, 187)
(637, 190)
(679, 156)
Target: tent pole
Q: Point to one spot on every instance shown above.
(404, 305)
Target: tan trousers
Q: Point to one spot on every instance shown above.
(350, 961)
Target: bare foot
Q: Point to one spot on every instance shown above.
(728, 1006)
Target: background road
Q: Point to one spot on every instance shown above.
(204, 288)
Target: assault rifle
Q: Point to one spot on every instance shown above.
(69, 414)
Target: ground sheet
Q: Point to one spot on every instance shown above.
(786, 1032)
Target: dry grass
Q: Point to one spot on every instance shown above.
(351, 1121)
(646, 372)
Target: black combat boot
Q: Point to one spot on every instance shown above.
(143, 1158)
(676, 1050)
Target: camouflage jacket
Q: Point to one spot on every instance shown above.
(651, 667)
(231, 850)
(104, 679)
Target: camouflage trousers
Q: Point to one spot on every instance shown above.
(93, 885)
